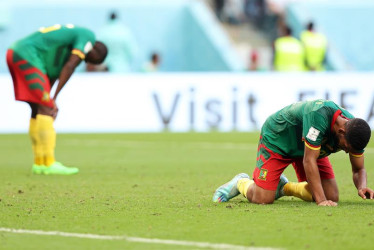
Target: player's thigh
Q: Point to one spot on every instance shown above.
(331, 189)
(266, 175)
(324, 167)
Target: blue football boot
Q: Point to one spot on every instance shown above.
(283, 181)
(228, 190)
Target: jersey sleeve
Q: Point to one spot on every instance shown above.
(83, 43)
(315, 126)
(346, 114)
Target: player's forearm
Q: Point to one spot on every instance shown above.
(65, 75)
(358, 171)
(314, 181)
(360, 178)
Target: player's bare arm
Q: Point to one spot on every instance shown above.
(360, 177)
(66, 73)
(313, 177)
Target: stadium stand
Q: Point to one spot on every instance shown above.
(185, 32)
(347, 25)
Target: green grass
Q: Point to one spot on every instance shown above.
(161, 186)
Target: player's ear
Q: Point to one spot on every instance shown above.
(341, 131)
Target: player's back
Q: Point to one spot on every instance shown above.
(283, 131)
(49, 48)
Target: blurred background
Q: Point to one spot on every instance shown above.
(200, 65)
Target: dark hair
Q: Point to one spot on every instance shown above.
(357, 133)
(310, 26)
(288, 31)
(155, 56)
(113, 16)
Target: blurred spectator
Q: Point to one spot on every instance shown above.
(153, 64)
(218, 8)
(233, 11)
(315, 45)
(288, 53)
(253, 61)
(260, 13)
(122, 46)
(255, 11)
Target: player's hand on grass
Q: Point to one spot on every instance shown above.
(366, 193)
(327, 203)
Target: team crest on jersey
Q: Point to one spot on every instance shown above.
(263, 174)
(45, 97)
(312, 134)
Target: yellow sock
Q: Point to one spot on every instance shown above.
(47, 137)
(300, 190)
(35, 142)
(243, 185)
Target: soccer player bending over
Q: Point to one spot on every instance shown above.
(35, 63)
(303, 134)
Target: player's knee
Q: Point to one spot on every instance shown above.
(262, 201)
(261, 196)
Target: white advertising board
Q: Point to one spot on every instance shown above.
(183, 102)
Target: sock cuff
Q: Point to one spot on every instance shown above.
(243, 185)
(44, 118)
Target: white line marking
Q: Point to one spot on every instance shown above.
(135, 239)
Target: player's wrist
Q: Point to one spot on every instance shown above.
(319, 201)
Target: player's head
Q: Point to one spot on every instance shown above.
(97, 54)
(287, 31)
(113, 16)
(310, 26)
(357, 133)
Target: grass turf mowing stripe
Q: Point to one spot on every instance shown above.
(134, 239)
(203, 145)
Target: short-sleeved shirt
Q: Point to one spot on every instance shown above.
(49, 48)
(307, 123)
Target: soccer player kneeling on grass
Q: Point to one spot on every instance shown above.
(303, 134)
(35, 63)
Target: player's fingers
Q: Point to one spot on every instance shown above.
(332, 203)
(361, 194)
(323, 203)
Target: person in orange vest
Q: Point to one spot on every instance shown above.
(288, 53)
(315, 46)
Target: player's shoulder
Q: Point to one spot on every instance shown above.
(322, 104)
(334, 107)
(324, 107)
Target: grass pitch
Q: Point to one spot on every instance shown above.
(161, 186)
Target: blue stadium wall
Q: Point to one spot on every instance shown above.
(348, 27)
(184, 32)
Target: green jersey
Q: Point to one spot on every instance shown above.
(50, 48)
(310, 122)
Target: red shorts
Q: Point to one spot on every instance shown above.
(270, 166)
(30, 84)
